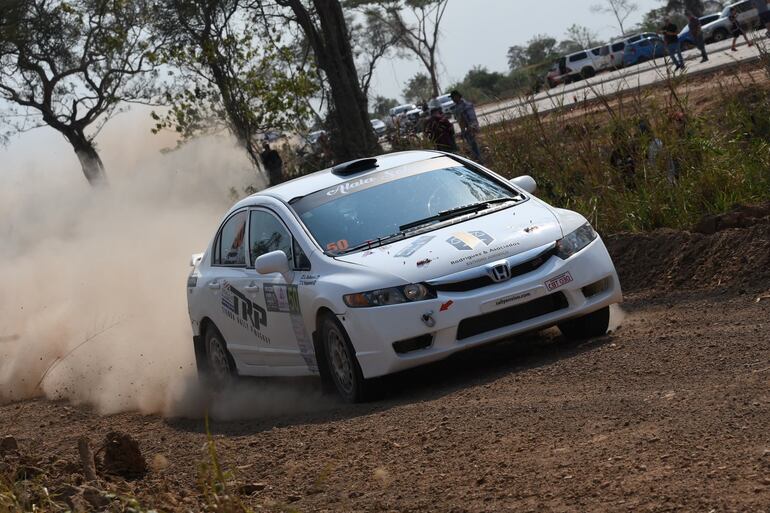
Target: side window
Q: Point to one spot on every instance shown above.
(618, 47)
(301, 261)
(578, 57)
(267, 233)
(230, 247)
(646, 42)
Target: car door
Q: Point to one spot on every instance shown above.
(290, 349)
(224, 284)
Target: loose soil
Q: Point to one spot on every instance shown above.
(668, 413)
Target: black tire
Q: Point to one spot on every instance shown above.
(719, 35)
(587, 72)
(341, 361)
(590, 325)
(219, 371)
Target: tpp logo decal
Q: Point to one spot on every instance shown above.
(242, 310)
(466, 241)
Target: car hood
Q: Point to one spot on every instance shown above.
(460, 246)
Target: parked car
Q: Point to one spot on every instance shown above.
(612, 54)
(313, 137)
(397, 112)
(644, 49)
(719, 29)
(708, 35)
(380, 128)
(445, 102)
(389, 263)
(575, 66)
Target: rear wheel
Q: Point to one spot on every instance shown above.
(342, 362)
(220, 371)
(590, 325)
(719, 35)
(587, 72)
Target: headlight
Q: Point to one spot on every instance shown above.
(390, 296)
(575, 241)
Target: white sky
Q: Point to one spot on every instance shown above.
(479, 32)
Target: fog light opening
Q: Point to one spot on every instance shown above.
(597, 287)
(413, 344)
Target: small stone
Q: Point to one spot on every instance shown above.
(293, 498)
(8, 444)
(355, 495)
(252, 488)
(159, 463)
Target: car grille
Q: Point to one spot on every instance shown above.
(511, 315)
(483, 281)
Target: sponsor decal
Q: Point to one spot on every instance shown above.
(512, 299)
(530, 229)
(446, 306)
(413, 246)
(485, 255)
(558, 281)
(422, 263)
(285, 299)
(248, 314)
(467, 241)
(309, 279)
(340, 245)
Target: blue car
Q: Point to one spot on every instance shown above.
(644, 49)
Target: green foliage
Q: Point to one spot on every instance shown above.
(381, 106)
(721, 158)
(418, 89)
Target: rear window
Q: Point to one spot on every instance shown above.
(578, 57)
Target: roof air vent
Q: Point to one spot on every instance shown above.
(354, 166)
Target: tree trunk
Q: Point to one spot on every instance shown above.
(90, 162)
(353, 136)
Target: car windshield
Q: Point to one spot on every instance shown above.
(394, 204)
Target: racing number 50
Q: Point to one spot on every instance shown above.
(340, 245)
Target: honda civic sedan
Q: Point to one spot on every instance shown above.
(384, 264)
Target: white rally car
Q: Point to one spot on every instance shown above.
(382, 264)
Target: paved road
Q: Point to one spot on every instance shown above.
(612, 82)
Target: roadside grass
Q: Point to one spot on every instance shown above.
(681, 162)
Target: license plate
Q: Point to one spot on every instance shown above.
(515, 298)
(558, 281)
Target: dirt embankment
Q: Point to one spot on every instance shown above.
(729, 252)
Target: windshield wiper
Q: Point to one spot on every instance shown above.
(374, 243)
(456, 212)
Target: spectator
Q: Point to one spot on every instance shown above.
(273, 163)
(440, 130)
(736, 30)
(696, 34)
(657, 156)
(469, 124)
(764, 14)
(671, 38)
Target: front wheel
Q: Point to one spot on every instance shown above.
(341, 361)
(590, 325)
(720, 35)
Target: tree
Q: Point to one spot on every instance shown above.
(685, 7)
(326, 31)
(419, 38)
(68, 65)
(382, 106)
(583, 36)
(231, 75)
(620, 9)
(372, 40)
(418, 89)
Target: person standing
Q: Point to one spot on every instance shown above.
(465, 114)
(764, 14)
(440, 130)
(671, 38)
(273, 164)
(696, 34)
(736, 30)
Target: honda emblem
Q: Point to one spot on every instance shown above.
(500, 272)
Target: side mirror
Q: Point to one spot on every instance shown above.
(274, 262)
(526, 183)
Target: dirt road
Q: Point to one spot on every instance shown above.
(669, 413)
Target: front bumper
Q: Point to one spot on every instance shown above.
(374, 330)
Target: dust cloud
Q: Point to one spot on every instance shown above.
(617, 317)
(92, 303)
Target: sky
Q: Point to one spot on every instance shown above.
(479, 32)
